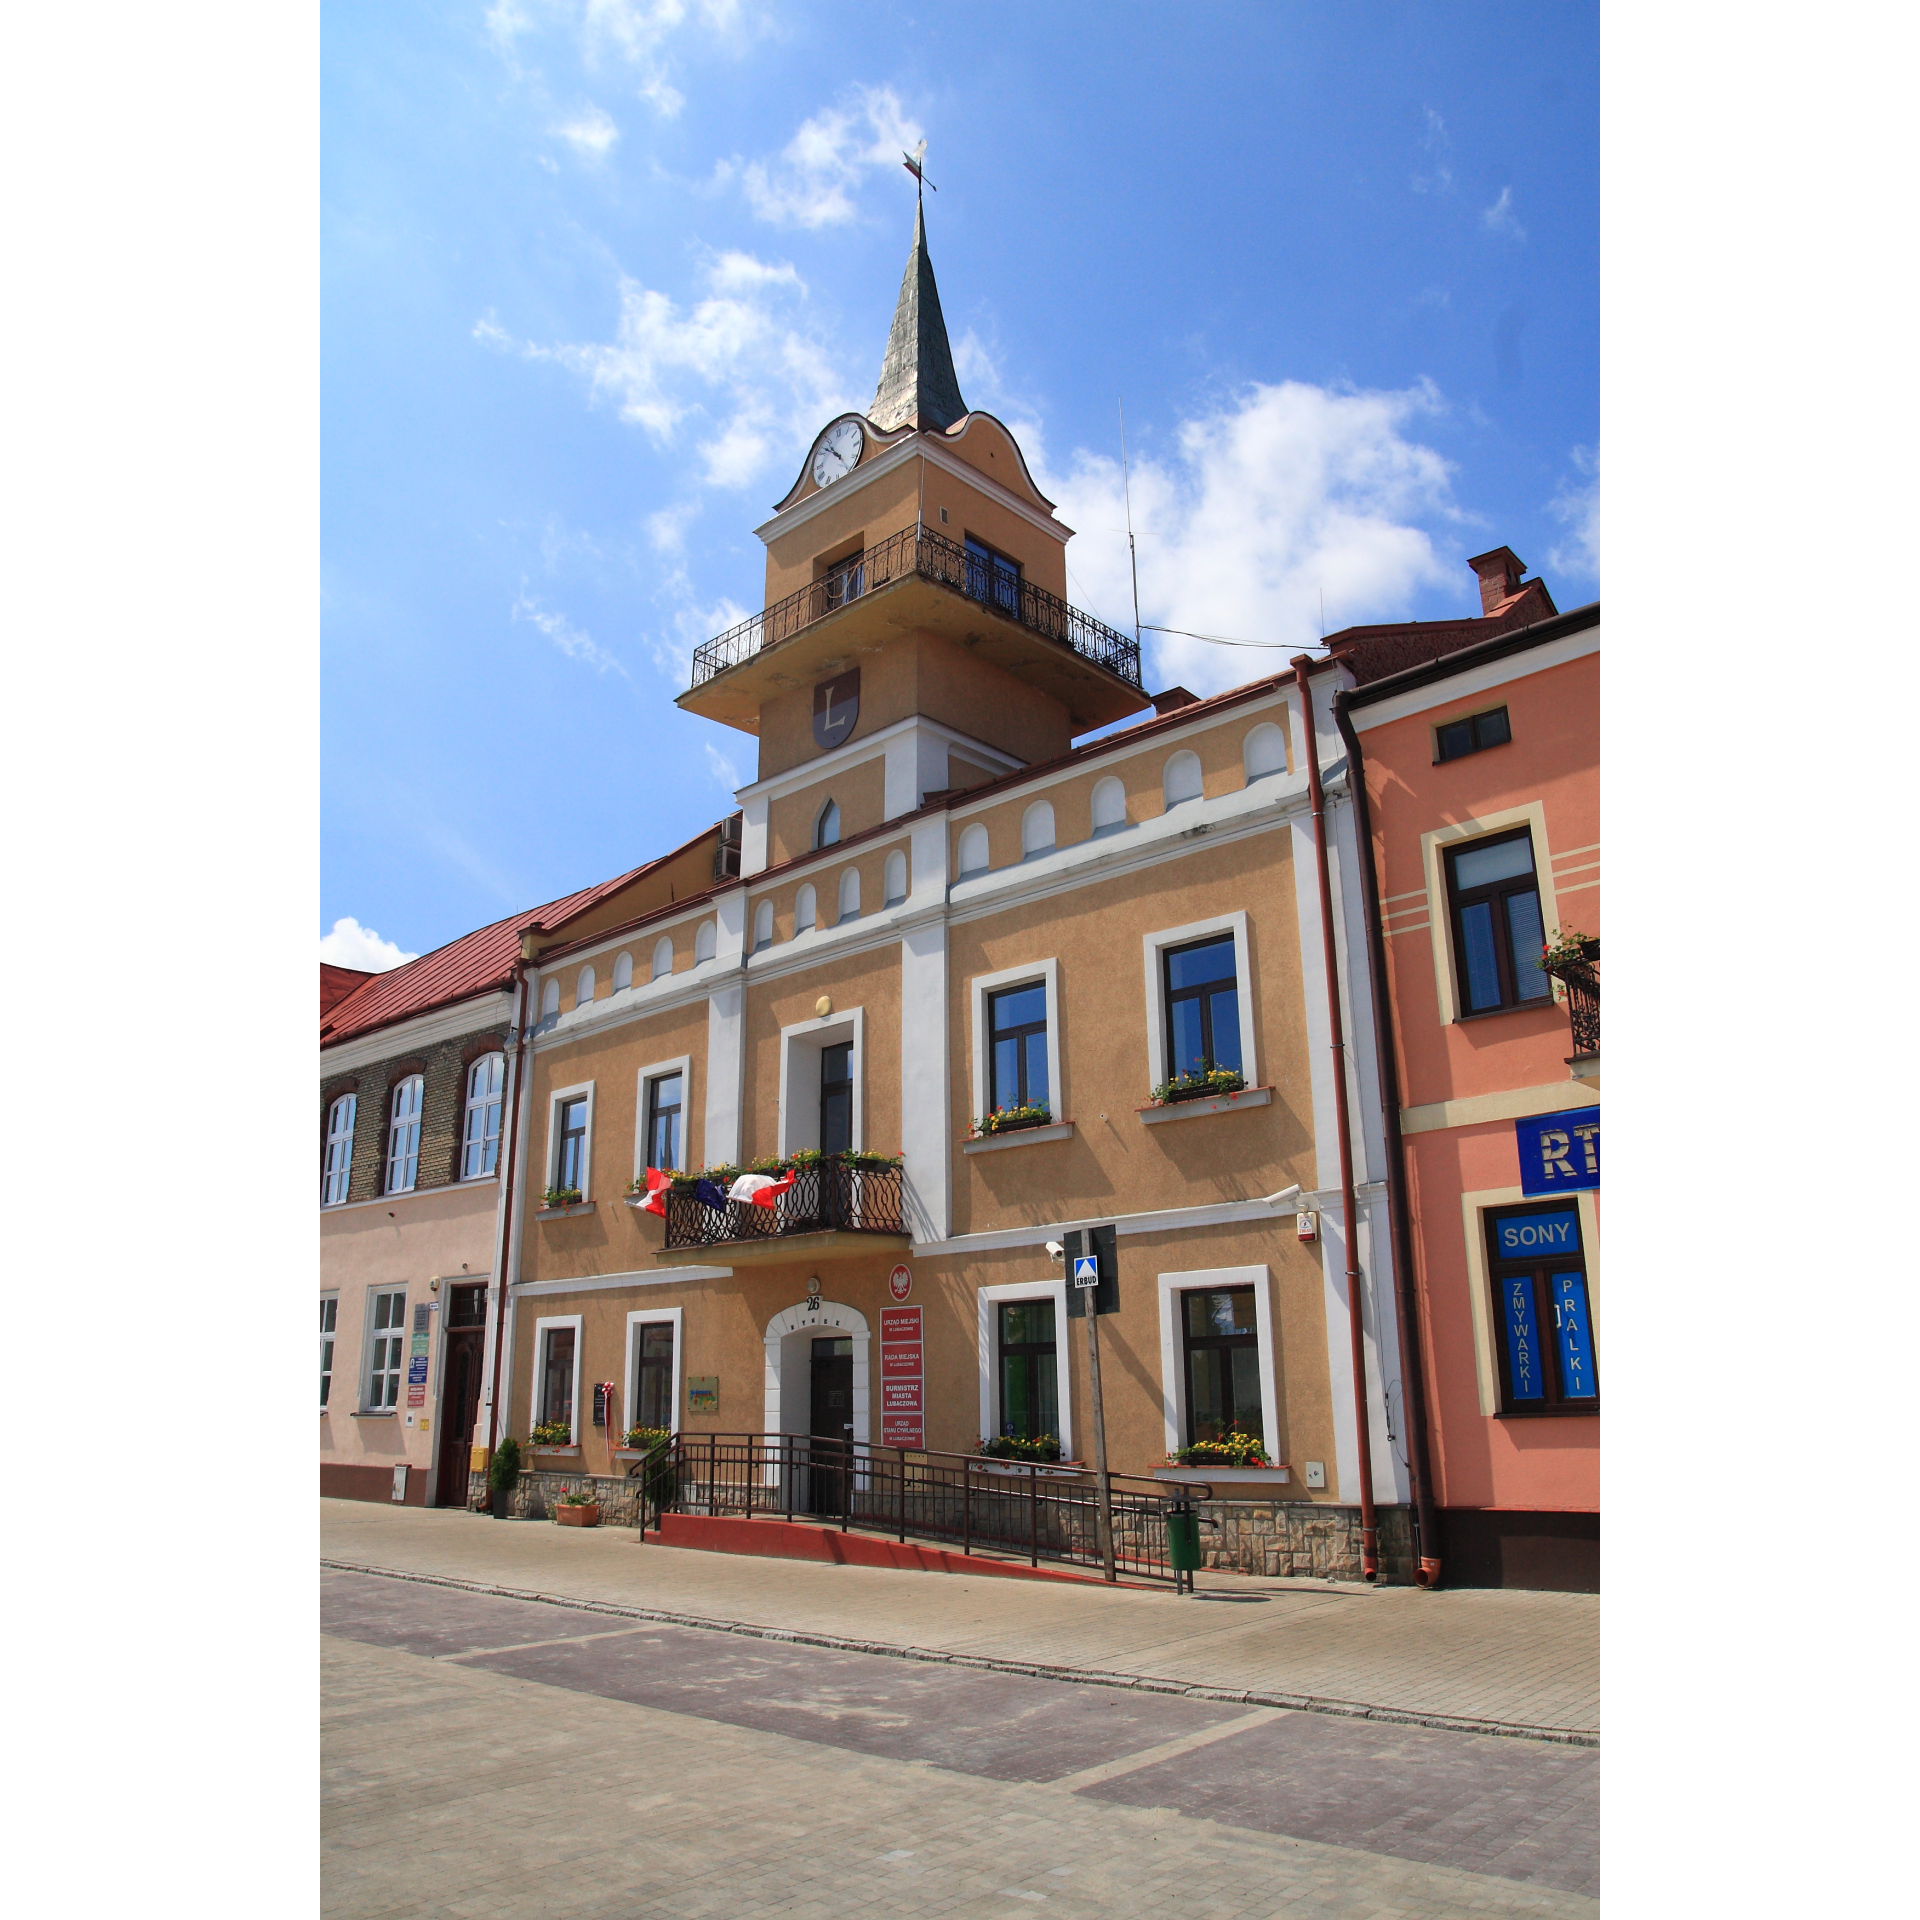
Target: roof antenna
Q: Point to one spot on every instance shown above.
(1133, 558)
(1323, 613)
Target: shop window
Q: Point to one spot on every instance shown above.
(1029, 1370)
(480, 1144)
(1203, 1005)
(1017, 1047)
(403, 1135)
(337, 1169)
(1223, 1364)
(329, 1317)
(1494, 899)
(664, 1101)
(386, 1351)
(556, 1375)
(1454, 739)
(1540, 1286)
(653, 1382)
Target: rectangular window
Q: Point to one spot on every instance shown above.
(653, 1389)
(992, 577)
(663, 1121)
(338, 1167)
(480, 1150)
(1017, 1047)
(570, 1159)
(1470, 734)
(836, 1097)
(1223, 1364)
(1495, 902)
(329, 1315)
(403, 1136)
(387, 1353)
(467, 1308)
(1203, 1006)
(1540, 1287)
(556, 1376)
(846, 580)
(1029, 1370)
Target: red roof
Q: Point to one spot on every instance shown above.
(337, 982)
(476, 963)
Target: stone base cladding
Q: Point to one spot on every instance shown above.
(1282, 1538)
(534, 1496)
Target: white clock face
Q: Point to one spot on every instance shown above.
(837, 452)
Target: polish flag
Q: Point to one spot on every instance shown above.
(657, 1185)
(760, 1189)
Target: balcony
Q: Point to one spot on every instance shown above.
(918, 580)
(1580, 976)
(829, 1210)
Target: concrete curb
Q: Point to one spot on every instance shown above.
(1030, 1669)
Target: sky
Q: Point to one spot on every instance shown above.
(595, 274)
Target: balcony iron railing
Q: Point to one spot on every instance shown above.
(826, 1198)
(1581, 978)
(929, 556)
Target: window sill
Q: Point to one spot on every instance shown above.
(1238, 1476)
(1153, 1116)
(1494, 1013)
(1555, 1412)
(564, 1213)
(388, 1413)
(1020, 1137)
(561, 1452)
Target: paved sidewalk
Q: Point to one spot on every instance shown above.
(1520, 1663)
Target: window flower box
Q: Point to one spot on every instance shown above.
(1200, 1083)
(1012, 1120)
(1008, 1447)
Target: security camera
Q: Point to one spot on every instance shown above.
(1285, 1197)
(1055, 1251)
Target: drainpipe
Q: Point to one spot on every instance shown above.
(1369, 1532)
(1406, 1303)
(506, 1225)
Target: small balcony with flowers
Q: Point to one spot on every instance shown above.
(805, 1205)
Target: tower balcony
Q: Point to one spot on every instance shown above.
(918, 581)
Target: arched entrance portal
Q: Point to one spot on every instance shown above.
(790, 1366)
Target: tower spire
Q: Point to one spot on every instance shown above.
(918, 386)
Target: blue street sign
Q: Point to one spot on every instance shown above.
(1086, 1270)
(1559, 1152)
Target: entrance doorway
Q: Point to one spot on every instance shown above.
(460, 1392)
(832, 1419)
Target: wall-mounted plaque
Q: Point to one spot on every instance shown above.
(703, 1393)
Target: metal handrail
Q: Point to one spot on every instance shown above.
(1581, 978)
(929, 556)
(830, 1197)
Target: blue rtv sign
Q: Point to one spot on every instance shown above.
(1559, 1152)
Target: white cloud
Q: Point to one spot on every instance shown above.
(634, 35)
(590, 133)
(1281, 494)
(1439, 146)
(489, 332)
(352, 945)
(722, 768)
(811, 183)
(1499, 218)
(565, 635)
(1576, 505)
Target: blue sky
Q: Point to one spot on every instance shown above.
(594, 275)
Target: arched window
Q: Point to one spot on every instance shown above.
(403, 1136)
(703, 939)
(480, 1140)
(896, 877)
(583, 988)
(763, 926)
(826, 830)
(973, 850)
(549, 999)
(1109, 805)
(1265, 752)
(1181, 781)
(850, 895)
(623, 973)
(337, 1168)
(663, 956)
(1036, 829)
(803, 910)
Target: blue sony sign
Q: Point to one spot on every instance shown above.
(1538, 1235)
(1559, 1152)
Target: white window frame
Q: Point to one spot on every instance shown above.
(1246, 751)
(983, 984)
(706, 942)
(989, 1299)
(498, 1102)
(1173, 1348)
(843, 913)
(896, 863)
(555, 1101)
(808, 895)
(622, 972)
(536, 1413)
(328, 1171)
(961, 870)
(643, 1085)
(1030, 824)
(800, 1049)
(1177, 758)
(653, 1317)
(1097, 827)
(550, 1000)
(329, 1347)
(369, 1336)
(654, 970)
(762, 918)
(1154, 947)
(393, 1131)
(1434, 847)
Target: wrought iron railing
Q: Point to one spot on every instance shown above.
(1581, 977)
(955, 1499)
(826, 1197)
(930, 556)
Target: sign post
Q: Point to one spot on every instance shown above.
(1094, 1271)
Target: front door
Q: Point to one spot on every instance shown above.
(460, 1393)
(832, 1420)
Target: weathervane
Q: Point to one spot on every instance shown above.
(916, 165)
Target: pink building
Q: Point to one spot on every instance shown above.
(1479, 743)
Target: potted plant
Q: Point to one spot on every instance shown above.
(1035, 1113)
(552, 1433)
(577, 1507)
(1199, 1082)
(1234, 1448)
(655, 1469)
(503, 1475)
(1569, 951)
(1007, 1446)
(560, 1197)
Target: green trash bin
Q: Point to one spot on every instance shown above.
(1183, 1540)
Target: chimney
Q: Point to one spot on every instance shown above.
(1172, 700)
(1499, 573)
